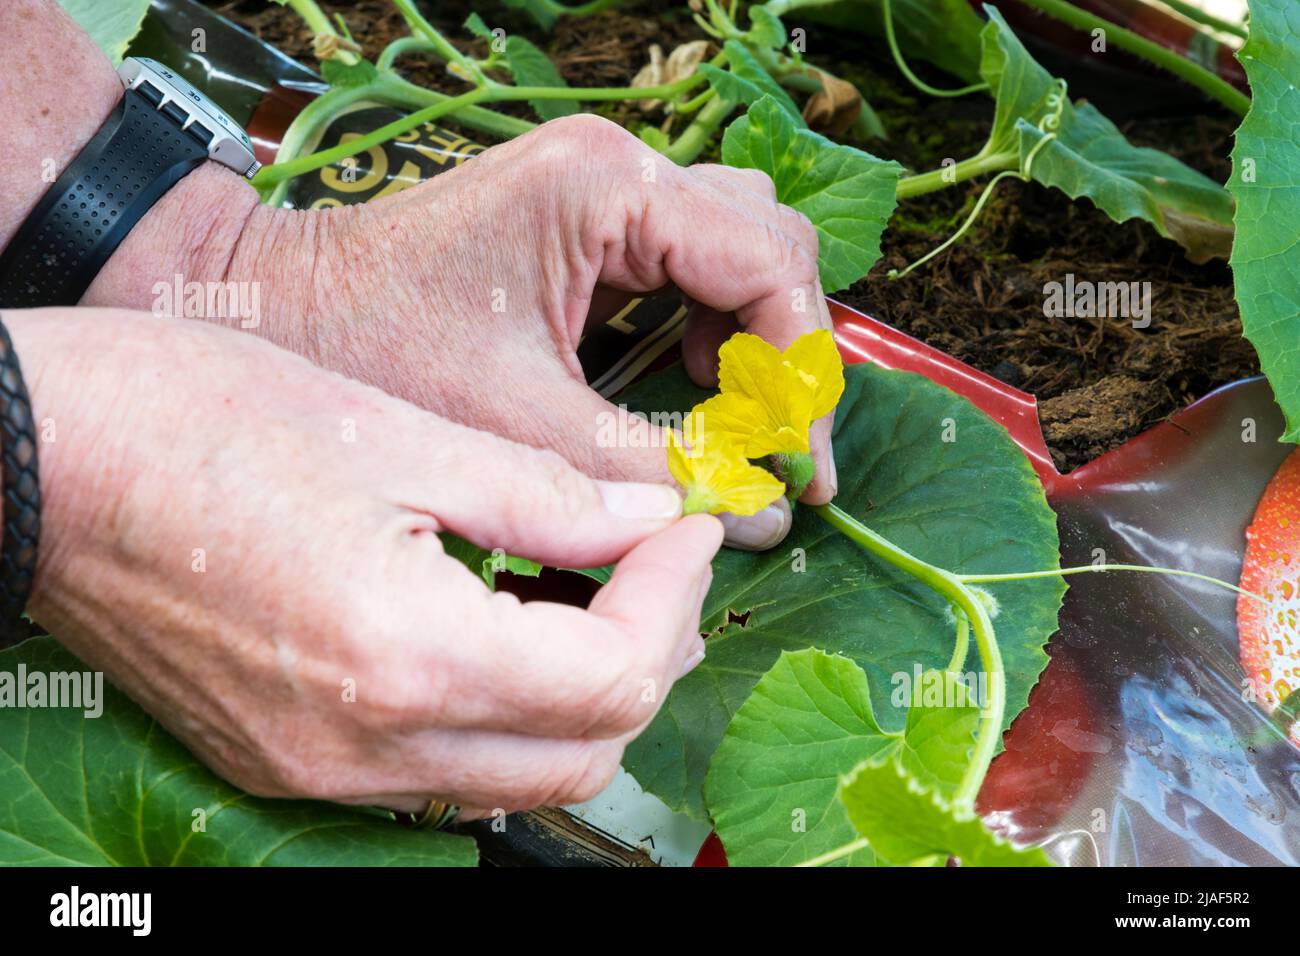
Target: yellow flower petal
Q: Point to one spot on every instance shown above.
(747, 365)
(755, 428)
(715, 475)
(680, 461)
(745, 489)
(815, 355)
(780, 399)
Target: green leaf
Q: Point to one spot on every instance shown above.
(111, 25)
(941, 725)
(531, 67)
(117, 790)
(745, 81)
(486, 564)
(772, 783)
(536, 9)
(475, 25)
(772, 787)
(868, 125)
(1019, 86)
(945, 33)
(848, 194)
(905, 822)
(338, 73)
(655, 138)
(1090, 158)
(969, 504)
(766, 28)
(1266, 183)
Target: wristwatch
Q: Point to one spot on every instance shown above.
(160, 130)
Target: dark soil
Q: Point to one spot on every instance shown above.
(1099, 381)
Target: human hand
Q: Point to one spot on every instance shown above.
(247, 545)
(468, 295)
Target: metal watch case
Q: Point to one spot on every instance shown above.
(171, 95)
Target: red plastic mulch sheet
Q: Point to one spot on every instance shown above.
(1146, 742)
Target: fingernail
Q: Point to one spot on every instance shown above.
(691, 663)
(832, 476)
(761, 531)
(640, 500)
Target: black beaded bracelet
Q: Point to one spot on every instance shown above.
(22, 496)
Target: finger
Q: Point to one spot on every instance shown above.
(751, 259)
(706, 330)
(551, 670)
(531, 502)
(609, 442)
(825, 481)
(761, 531)
(488, 773)
(605, 440)
(746, 182)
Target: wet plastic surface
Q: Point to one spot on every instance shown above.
(1185, 768)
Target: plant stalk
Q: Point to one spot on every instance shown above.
(1204, 18)
(690, 144)
(911, 186)
(958, 593)
(489, 92)
(1092, 568)
(319, 22)
(1208, 83)
(901, 63)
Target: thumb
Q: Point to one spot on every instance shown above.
(534, 504)
(608, 441)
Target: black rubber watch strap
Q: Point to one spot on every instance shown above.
(22, 497)
(138, 154)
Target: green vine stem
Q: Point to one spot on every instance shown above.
(910, 187)
(966, 601)
(578, 9)
(271, 176)
(1204, 18)
(1208, 83)
(489, 92)
(693, 139)
(392, 90)
(1048, 125)
(1092, 568)
(318, 22)
(985, 195)
(962, 644)
(912, 78)
(387, 89)
(388, 56)
(440, 44)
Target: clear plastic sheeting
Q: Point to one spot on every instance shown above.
(1142, 746)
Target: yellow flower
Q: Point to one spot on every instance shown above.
(769, 398)
(714, 473)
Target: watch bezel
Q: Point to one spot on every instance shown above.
(229, 144)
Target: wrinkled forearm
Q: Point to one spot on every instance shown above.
(56, 88)
(208, 228)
